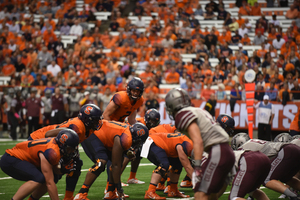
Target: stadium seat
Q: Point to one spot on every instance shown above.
(4, 80)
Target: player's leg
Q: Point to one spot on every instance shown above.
(284, 167)
(158, 157)
(215, 170)
(175, 172)
(253, 169)
(72, 179)
(23, 171)
(96, 151)
(259, 194)
(134, 167)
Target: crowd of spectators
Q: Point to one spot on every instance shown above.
(32, 53)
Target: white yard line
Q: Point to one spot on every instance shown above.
(85, 170)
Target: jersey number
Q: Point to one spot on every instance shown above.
(170, 135)
(38, 142)
(124, 116)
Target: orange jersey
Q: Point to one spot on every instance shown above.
(141, 120)
(74, 123)
(29, 151)
(125, 107)
(111, 129)
(294, 124)
(169, 142)
(163, 128)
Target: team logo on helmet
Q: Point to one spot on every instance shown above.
(224, 119)
(63, 138)
(88, 110)
(141, 132)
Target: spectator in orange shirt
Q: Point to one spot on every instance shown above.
(109, 83)
(240, 20)
(152, 88)
(205, 94)
(261, 52)
(142, 40)
(292, 13)
(244, 9)
(27, 76)
(246, 40)
(173, 76)
(145, 76)
(229, 82)
(181, 3)
(8, 69)
(87, 40)
(6, 51)
(223, 38)
(61, 12)
(255, 10)
(47, 35)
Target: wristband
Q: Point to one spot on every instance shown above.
(197, 163)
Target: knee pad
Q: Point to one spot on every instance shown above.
(97, 168)
(161, 171)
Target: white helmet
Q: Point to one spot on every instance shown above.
(238, 140)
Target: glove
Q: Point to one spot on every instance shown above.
(131, 154)
(67, 168)
(196, 177)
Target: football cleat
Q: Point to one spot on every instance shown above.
(172, 193)
(124, 184)
(135, 181)
(186, 184)
(81, 196)
(160, 187)
(167, 189)
(153, 195)
(110, 195)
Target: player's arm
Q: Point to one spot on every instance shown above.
(54, 132)
(131, 118)
(184, 161)
(116, 165)
(110, 109)
(47, 170)
(195, 135)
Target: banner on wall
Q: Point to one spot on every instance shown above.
(284, 115)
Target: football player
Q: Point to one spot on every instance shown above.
(285, 163)
(34, 161)
(207, 135)
(166, 150)
(252, 167)
(88, 120)
(101, 147)
(125, 104)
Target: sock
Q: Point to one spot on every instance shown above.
(69, 194)
(84, 189)
(186, 178)
(111, 187)
(289, 193)
(152, 186)
(132, 175)
(31, 198)
(173, 186)
(107, 184)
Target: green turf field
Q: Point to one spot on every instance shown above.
(9, 186)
